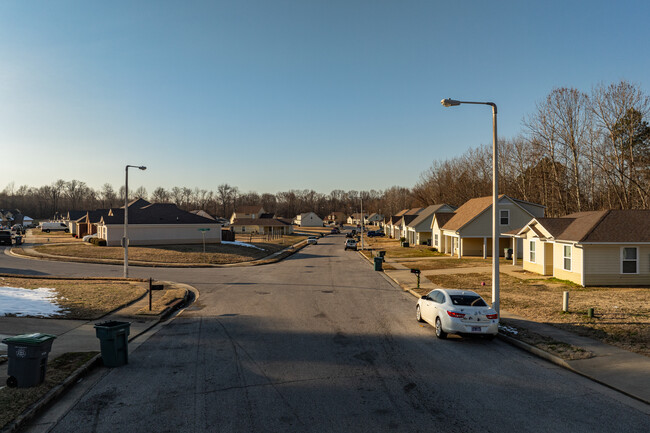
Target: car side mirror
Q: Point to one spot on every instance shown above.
(425, 297)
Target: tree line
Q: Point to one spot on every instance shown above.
(577, 151)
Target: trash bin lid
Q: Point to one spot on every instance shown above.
(30, 339)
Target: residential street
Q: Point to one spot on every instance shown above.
(322, 343)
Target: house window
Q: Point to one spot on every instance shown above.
(435, 239)
(567, 257)
(243, 229)
(504, 217)
(629, 260)
(532, 252)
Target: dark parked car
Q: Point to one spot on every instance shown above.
(335, 231)
(5, 237)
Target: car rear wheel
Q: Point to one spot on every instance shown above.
(46, 230)
(440, 333)
(418, 314)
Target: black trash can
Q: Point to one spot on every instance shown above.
(114, 341)
(19, 240)
(378, 263)
(507, 253)
(27, 355)
(382, 253)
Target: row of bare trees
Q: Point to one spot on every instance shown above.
(62, 196)
(577, 152)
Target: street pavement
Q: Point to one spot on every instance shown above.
(321, 342)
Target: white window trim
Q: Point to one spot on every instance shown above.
(436, 239)
(504, 210)
(532, 250)
(564, 257)
(638, 264)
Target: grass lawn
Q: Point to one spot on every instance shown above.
(394, 250)
(14, 401)
(622, 314)
(450, 263)
(214, 253)
(84, 299)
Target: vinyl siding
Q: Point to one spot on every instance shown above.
(575, 274)
(603, 266)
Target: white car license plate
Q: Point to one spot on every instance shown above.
(476, 329)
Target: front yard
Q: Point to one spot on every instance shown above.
(622, 315)
(185, 254)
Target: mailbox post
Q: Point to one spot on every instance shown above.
(417, 274)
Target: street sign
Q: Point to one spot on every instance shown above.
(204, 230)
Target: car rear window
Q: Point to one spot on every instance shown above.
(467, 300)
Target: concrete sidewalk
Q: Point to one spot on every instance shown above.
(619, 369)
(79, 335)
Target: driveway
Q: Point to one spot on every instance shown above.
(320, 342)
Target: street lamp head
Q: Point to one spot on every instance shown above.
(449, 102)
(142, 167)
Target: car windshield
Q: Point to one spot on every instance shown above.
(468, 300)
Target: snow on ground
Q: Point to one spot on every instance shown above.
(242, 244)
(39, 302)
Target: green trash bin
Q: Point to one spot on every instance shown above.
(114, 341)
(378, 262)
(27, 355)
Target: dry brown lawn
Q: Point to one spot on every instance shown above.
(449, 263)
(14, 401)
(187, 254)
(622, 314)
(261, 240)
(84, 299)
(394, 250)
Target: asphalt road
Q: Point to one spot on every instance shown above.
(322, 343)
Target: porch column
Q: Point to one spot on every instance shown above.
(460, 247)
(514, 251)
(484, 248)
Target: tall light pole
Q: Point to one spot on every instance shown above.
(495, 197)
(125, 239)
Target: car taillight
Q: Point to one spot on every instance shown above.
(455, 314)
(491, 316)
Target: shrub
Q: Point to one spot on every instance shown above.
(99, 242)
(402, 239)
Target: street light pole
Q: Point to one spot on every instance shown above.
(125, 239)
(495, 197)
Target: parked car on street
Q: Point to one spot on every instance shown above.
(312, 240)
(461, 312)
(350, 244)
(54, 227)
(5, 237)
(87, 238)
(335, 231)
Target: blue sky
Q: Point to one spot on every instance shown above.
(277, 95)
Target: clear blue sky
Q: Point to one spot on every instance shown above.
(277, 95)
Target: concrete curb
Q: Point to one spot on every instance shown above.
(532, 349)
(91, 364)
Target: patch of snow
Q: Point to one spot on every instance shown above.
(242, 244)
(508, 329)
(39, 302)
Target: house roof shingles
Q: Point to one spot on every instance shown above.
(265, 222)
(248, 210)
(630, 225)
(424, 214)
(157, 213)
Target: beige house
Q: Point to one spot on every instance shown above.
(262, 226)
(355, 218)
(418, 231)
(469, 231)
(396, 226)
(252, 212)
(308, 219)
(375, 219)
(609, 248)
(336, 217)
(157, 224)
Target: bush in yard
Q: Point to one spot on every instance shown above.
(99, 242)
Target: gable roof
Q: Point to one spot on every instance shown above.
(425, 213)
(476, 206)
(248, 210)
(610, 226)
(156, 213)
(442, 218)
(265, 222)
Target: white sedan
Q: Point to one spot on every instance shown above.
(461, 312)
(312, 240)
